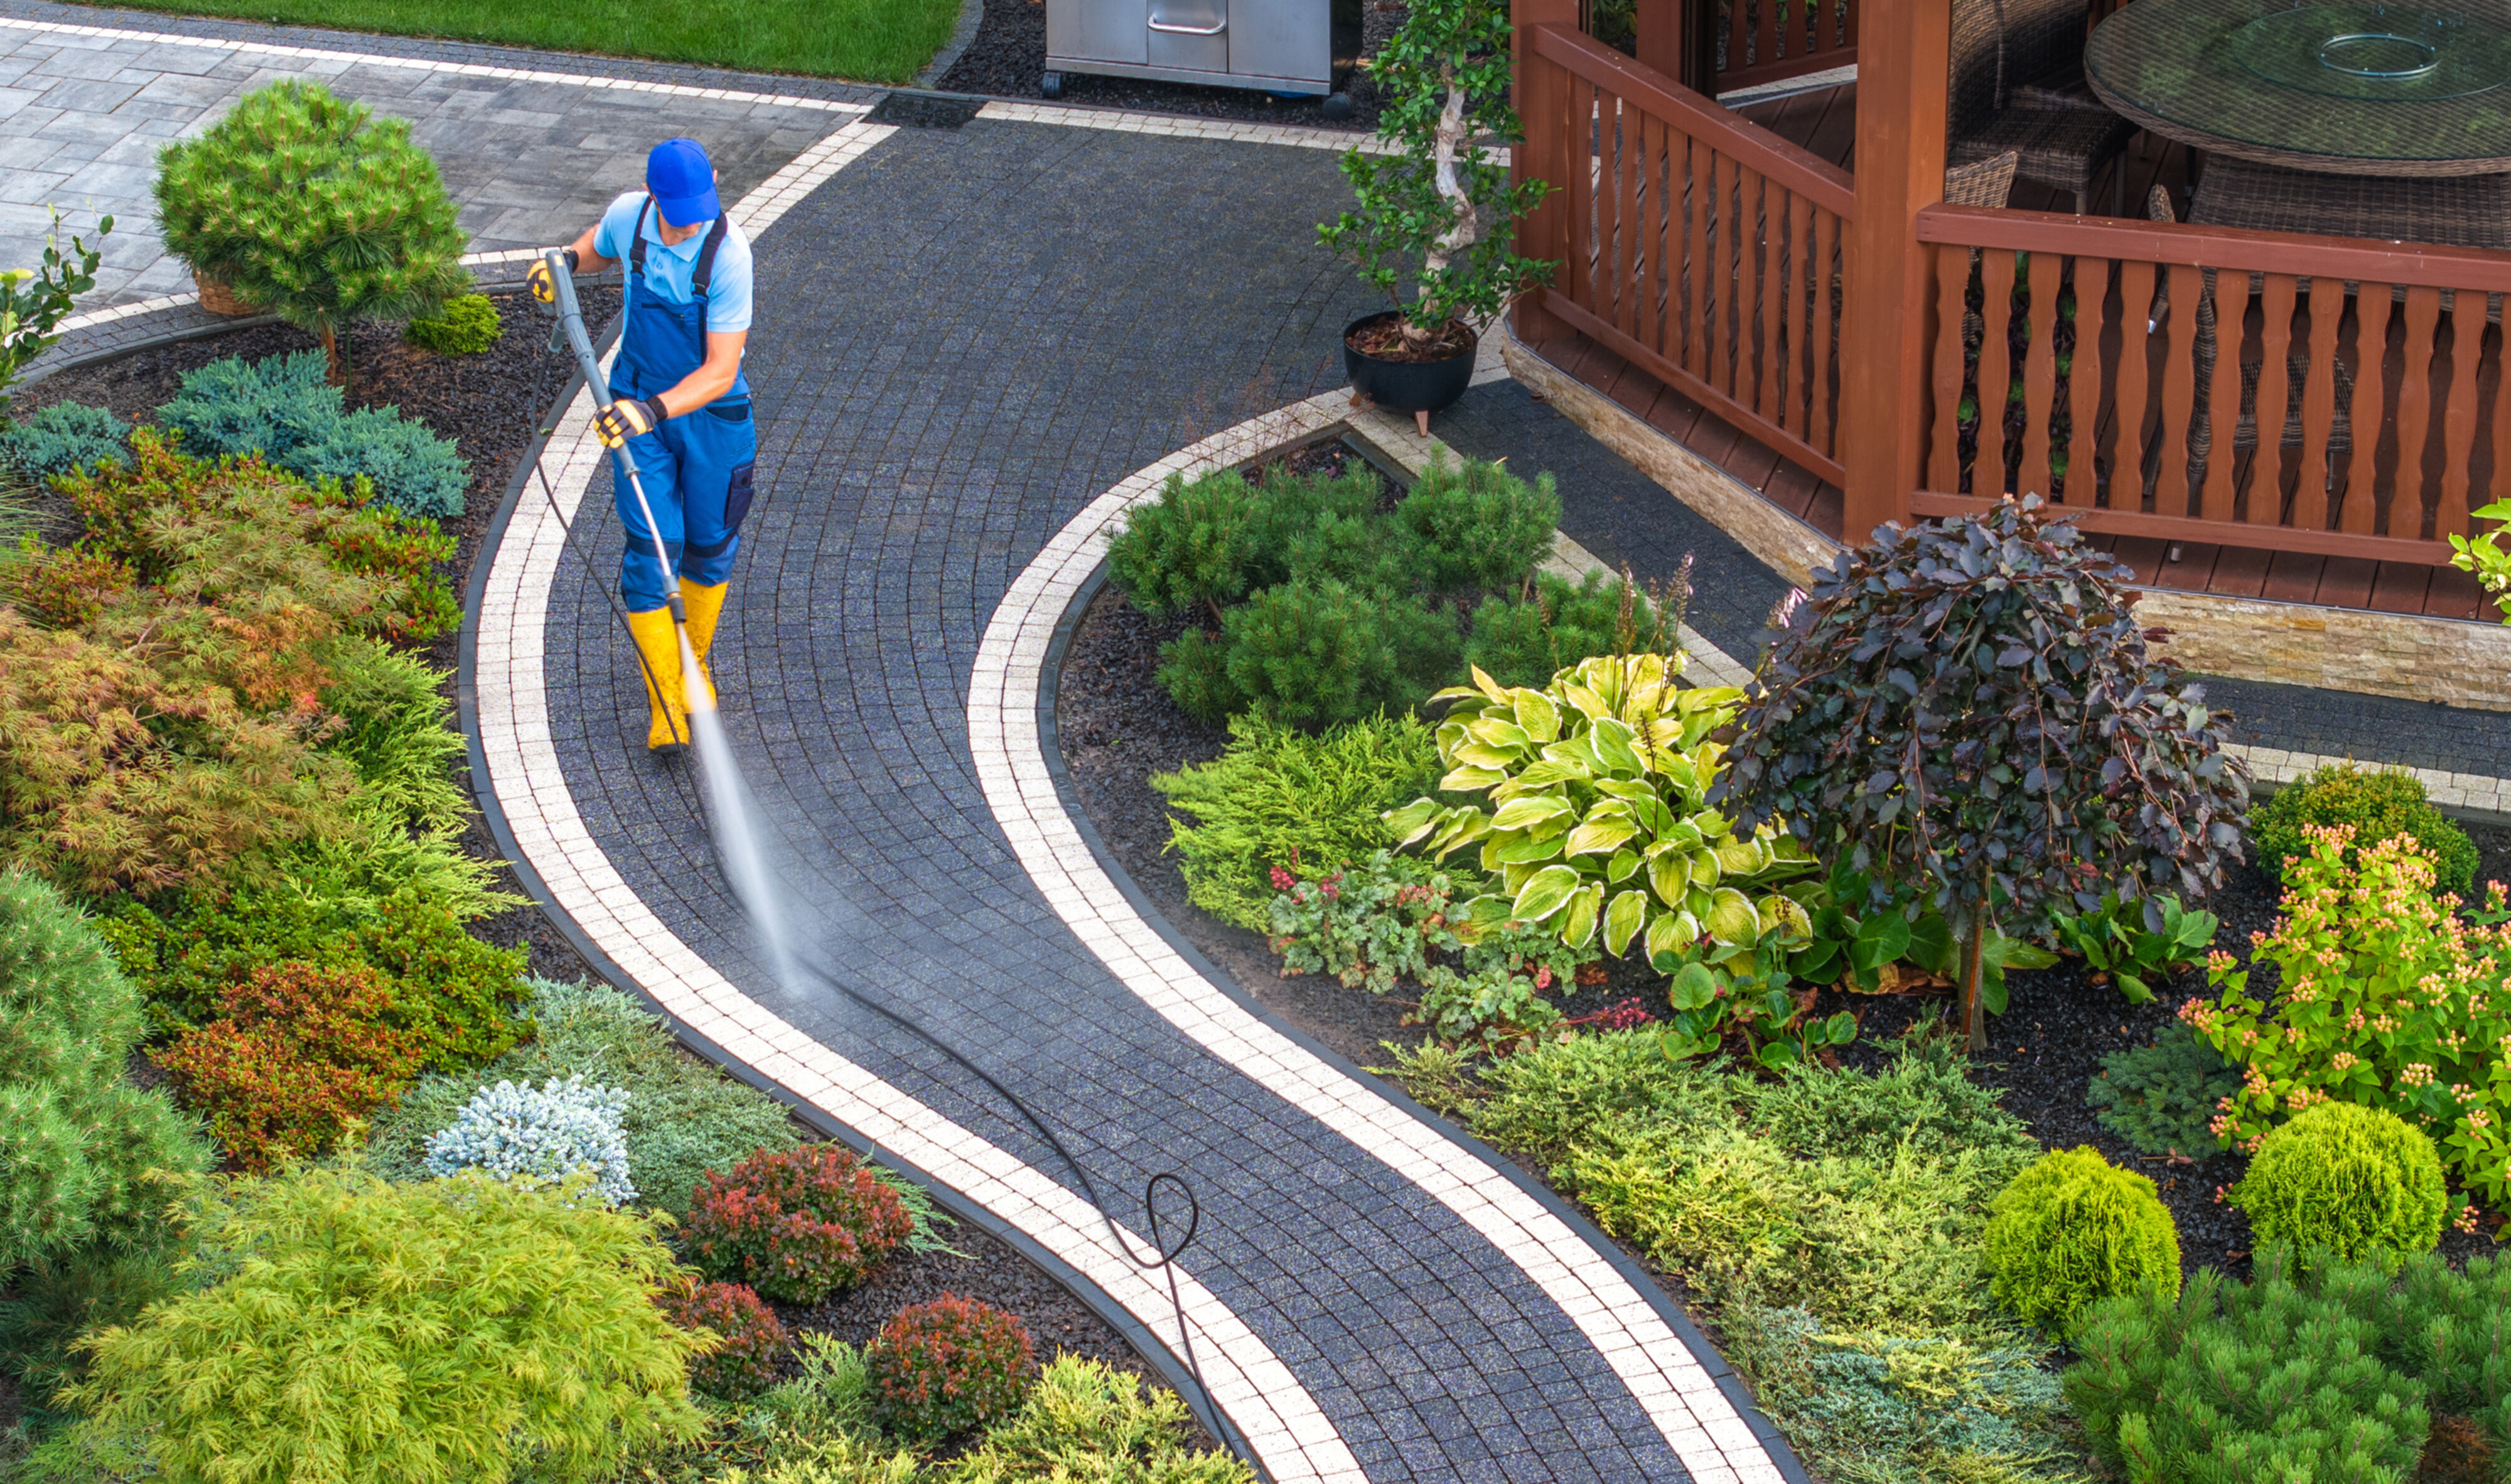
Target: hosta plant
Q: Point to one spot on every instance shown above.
(2383, 996)
(1595, 815)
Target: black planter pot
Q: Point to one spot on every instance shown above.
(1418, 387)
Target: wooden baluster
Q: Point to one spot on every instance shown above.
(2084, 381)
(1707, 290)
(2360, 514)
(1777, 293)
(2314, 498)
(1822, 341)
(1995, 370)
(2039, 372)
(1765, 31)
(2458, 416)
(2405, 505)
(2500, 426)
(2264, 504)
(2136, 332)
(1952, 282)
(1652, 214)
(1802, 357)
(1753, 238)
(2232, 296)
(2179, 333)
(1626, 174)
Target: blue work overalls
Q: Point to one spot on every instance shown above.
(696, 467)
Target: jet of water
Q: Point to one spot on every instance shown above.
(739, 838)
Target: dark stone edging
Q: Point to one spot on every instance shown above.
(1155, 1352)
(1668, 1309)
(972, 18)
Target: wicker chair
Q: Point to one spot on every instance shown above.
(2017, 65)
(1986, 182)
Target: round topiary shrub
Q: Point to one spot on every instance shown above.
(468, 325)
(2379, 804)
(314, 209)
(2071, 1230)
(941, 1368)
(749, 1340)
(795, 1224)
(2360, 1182)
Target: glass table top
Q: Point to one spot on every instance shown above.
(2383, 52)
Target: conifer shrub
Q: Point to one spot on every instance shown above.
(684, 1116)
(397, 1320)
(540, 1136)
(2380, 804)
(2360, 1182)
(314, 209)
(80, 1148)
(1086, 1420)
(58, 1297)
(1277, 797)
(941, 1367)
(1190, 548)
(1318, 653)
(281, 409)
(795, 1224)
(65, 436)
(298, 1054)
(1479, 527)
(466, 326)
(1526, 642)
(2073, 1229)
(2163, 1099)
(747, 1345)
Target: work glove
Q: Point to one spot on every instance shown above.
(544, 288)
(625, 418)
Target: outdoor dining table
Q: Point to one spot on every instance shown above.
(2349, 118)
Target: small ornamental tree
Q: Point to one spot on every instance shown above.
(315, 209)
(1968, 709)
(33, 301)
(1440, 208)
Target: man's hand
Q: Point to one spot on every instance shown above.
(625, 418)
(543, 287)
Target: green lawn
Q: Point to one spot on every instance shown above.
(878, 41)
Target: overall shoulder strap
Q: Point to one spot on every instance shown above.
(637, 239)
(705, 272)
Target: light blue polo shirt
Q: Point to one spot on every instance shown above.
(671, 270)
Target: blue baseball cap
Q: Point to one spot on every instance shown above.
(683, 182)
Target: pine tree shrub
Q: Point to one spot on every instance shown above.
(1277, 797)
(795, 1224)
(298, 1054)
(2360, 1182)
(1315, 654)
(941, 1368)
(1086, 1420)
(2163, 1099)
(2380, 804)
(2073, 1229)
(1479, 527)
(80, 1148)
(540, 1136)
(1189, 548)
(749, 1342)
(1527, 641)
(2268, 1381)
(65, 436)
(397, 1322)
(60, 1297)
(314, 209)
(466, 326)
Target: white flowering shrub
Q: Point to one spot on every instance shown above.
(541, 1135)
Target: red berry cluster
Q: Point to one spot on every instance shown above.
(941, 1368)
(750, 1339)
(795, 1224)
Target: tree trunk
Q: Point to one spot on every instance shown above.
(336, 369)
(1973, 945)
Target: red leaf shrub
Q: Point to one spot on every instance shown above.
(795, 1224)
(941, 1368)
(750, 1340)
(300, 1050)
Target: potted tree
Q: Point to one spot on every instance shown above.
(1437, 208)
(312, 209)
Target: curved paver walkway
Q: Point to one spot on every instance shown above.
(981, 344)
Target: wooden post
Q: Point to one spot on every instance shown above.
(1904, 51)
(1542, 95)
(1665, 33)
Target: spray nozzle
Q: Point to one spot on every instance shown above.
(679, 610)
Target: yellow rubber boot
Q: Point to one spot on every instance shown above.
(704, 604)
(658, 643)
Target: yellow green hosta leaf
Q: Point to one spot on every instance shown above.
(1625, 861)
(1730, 919)
(1579, 923)
(1670, 877)
(1538, 716)
(1706, 871)
(1547, 891)
(1671, 932)
(1522, 849)
(1462, 828)
(1524, 813)
(1479, 754)
(1740, 858)
(1611, 741)
(1412, 821)
(1471, 780)
(1598, 837)
(1624, 916)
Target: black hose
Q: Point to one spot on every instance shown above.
(1164, 1253)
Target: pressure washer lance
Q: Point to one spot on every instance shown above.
(570, 325)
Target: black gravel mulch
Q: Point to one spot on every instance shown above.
(1008, 55)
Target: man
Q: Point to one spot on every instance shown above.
(680, 406)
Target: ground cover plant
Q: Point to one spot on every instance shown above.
(283, 409)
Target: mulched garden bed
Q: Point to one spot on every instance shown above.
(490, 404)
(1117, 726)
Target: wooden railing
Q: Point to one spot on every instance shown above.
(1769, 41)
(1698, 246)
(2202, 384)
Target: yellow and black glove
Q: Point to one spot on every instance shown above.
(543, 287)
(628, 418)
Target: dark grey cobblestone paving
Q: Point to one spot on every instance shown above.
(963, 339)
(1623, 515)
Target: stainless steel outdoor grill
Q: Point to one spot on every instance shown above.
(1277, 46)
